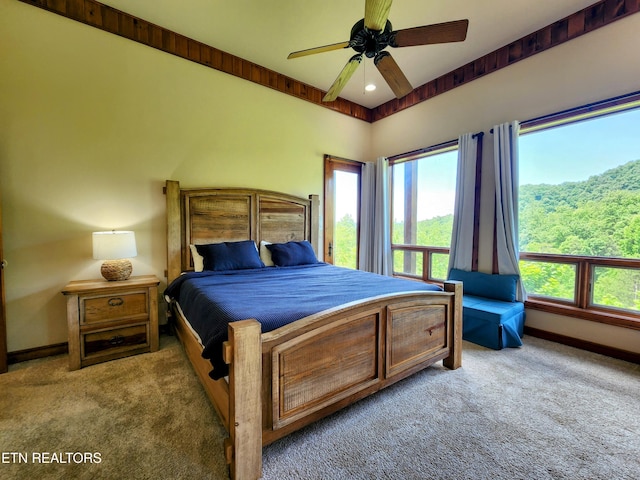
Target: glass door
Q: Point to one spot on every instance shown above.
(342, 211)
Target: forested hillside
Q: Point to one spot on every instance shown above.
(597, 217)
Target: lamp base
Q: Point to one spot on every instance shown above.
(116, 269)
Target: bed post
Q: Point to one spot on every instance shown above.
(454, 360)
(174, 223)
(243, 353)
(315, 223)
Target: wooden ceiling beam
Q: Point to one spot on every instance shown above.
(139, 30)
(584, 21)
(95, 14)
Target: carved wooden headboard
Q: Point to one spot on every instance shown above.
(211, 215)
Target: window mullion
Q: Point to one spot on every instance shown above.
(583, 287)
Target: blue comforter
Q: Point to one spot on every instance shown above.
(275, 296)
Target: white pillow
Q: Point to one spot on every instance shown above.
(198, 260)
(265, 254)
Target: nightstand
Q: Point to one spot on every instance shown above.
(109, 320)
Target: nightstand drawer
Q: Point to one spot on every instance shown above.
(112, 307)
(114, 340)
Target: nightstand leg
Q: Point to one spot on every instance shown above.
(154, 341)
(73, 324)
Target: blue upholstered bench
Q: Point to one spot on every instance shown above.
(491, 315)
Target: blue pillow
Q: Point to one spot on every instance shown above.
(230, 255)
(292, 253)
(498, 287)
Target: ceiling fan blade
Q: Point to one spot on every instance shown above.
(392, 74)
(455, 31)
(312, 51)
(376, 13)
(343, 78)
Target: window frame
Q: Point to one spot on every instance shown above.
(426, 251)
(331, 165)
(582, 305)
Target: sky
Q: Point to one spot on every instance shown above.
(569, 153)
(346, 187)
(580, 150)
(437, 177)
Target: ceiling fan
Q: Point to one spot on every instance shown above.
(371, 35)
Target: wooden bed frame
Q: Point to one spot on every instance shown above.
(283, 380)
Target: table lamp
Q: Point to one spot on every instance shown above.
(115, 248)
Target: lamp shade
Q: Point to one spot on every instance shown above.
(114, 245)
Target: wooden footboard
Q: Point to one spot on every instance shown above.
(283, 380)
(325, 362)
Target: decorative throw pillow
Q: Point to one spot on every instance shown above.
(230, 255)
(292, 253)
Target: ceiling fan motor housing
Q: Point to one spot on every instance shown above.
(370, 42)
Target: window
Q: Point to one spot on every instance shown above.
(579, 213)
(423, 197)
(342, 211)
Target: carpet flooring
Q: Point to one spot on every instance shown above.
(543, 411)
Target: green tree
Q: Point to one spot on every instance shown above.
(345, 243)
(597, 217)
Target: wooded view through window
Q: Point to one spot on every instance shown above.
(423, 197)
(345, 233)
(580, 197)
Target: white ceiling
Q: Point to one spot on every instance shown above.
(265, 32)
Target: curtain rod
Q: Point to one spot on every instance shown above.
(589, 110)
(426, 150)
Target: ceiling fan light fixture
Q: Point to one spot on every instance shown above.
(370, 87)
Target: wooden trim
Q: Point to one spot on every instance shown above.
(315, 222)
(576, 259)
(37, 352)
(424, 152)
(620, 103)
(50, 350)
(331, 165)
(613, 352)
(580, 306)
(4, 361)
(584, 21)
(120, 23)
(329, 196)
(114, 21)
(174, 229)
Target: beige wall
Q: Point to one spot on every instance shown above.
(600, 65)
(92, 126)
